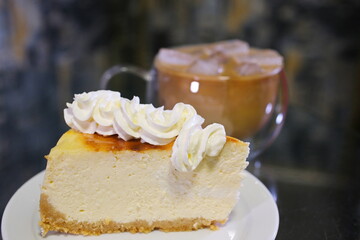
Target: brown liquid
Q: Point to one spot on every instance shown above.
(243, 104)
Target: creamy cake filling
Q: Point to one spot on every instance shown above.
(96, 184)
(192, 200)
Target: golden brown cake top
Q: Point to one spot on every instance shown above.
(74, 140)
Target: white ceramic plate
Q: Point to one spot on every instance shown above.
(255, 217)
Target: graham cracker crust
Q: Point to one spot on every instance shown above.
(53, 220)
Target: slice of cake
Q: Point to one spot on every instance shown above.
(127, 166)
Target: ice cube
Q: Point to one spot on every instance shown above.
(246, 69)
(205, 67)
(218, 57)
(207, 51)
(202, 51)
(261, 57)
(231, 47)
(170, 56)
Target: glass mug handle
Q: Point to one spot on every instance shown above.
(136, 71)
(266, 136)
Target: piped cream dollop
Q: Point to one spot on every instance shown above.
(107, 113)
(93, 112)
(194, 143)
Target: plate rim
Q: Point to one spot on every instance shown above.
(7, 209)
(273, 203)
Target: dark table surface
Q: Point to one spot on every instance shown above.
(312, 170)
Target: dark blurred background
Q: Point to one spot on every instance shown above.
(51, 49)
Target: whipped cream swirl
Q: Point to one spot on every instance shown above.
(194, 143)
(93, 112)
(107, 113)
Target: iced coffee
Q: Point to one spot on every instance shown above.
(227, 82)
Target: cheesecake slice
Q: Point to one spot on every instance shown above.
(127, 166)
(98, 184)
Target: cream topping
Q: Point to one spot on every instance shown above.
(106, 113)
(93, 112)
(194, 143)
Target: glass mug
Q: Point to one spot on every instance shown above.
(251, 105)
